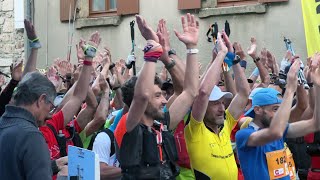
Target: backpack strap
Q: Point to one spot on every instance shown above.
(62, 141)
(111, 136)
(316, 137)
(74, 136)
(188, 119)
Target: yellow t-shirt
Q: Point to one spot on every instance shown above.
(211, 155)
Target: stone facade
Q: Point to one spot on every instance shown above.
(11, 39)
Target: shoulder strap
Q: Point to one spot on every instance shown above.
(111, 136)
(316, 137)
(61, 141)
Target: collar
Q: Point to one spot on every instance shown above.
(254, 125)
(18, 112)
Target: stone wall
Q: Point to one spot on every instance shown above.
(11, 39)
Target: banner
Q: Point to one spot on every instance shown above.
(311, 17)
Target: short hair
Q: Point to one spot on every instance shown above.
(31, 87)
(128, 89)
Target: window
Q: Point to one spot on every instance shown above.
(224, 3)
(102, 7)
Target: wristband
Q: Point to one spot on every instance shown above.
(87, 63)
(192, 51)
(35, 44)
(243, 64)
(171, 64)
(89, 51)
(229, 58)
(152, 51)
(34, 40)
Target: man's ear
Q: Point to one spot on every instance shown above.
(258, 110)
(41, 100)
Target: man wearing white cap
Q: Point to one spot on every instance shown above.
(208, 132)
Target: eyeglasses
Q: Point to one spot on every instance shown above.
(53, 107)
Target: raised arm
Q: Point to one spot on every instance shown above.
(239, 102)
(34, 45)
(280, 119)
(301, 105)
(210, 79)
(184, 101)
(145, 83)
(304, 127)
(81, 88)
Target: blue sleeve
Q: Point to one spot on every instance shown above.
(116, 120)
(242, 137)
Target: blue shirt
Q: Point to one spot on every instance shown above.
(253, 160)
(116, 120)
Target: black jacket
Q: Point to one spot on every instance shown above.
(23, 151)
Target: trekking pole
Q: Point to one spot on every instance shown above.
(301, 78)
(133, 44)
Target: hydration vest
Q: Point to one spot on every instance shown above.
(142, 155)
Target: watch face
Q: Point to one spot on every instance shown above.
(172, 51)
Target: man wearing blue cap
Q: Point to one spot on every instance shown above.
(260, 147)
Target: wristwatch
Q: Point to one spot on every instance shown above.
(171, 64)
(236, 60)
(256, 60)
(172, 52)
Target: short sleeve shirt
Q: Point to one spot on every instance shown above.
(57, 122)
(253, 160)
(211, 155)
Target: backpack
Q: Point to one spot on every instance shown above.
(111, 136)
(62, 140)
(184, 160)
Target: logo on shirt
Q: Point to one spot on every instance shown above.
(278, 172)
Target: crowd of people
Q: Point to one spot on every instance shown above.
(173, 124)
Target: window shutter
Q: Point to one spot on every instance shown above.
(125, 7)
(189, 4)
(65, 8)
(269, 1)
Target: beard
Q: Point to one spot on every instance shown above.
(265, 121)
(154, 112)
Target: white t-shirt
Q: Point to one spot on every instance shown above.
(102, 147)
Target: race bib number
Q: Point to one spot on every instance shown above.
(277, 164)
(291, 165)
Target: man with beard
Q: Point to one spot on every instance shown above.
(147, 149)
(260, 147)
(208, 132)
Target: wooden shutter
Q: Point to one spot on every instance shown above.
(64, 9)
(189, 4)
(268, 1)
(125, 7)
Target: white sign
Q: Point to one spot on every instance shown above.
(18, 14)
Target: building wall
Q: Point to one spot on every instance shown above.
(11, 39)
(281, 19)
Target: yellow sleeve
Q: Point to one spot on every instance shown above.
(193, 130)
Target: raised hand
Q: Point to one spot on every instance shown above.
(94, 39)
(31, 34)
(292, 76)
(239, 51)
(190, 33)
(145, 30)
(252, 50)
(64, 67)
(52, 75)
(164, 40)
(315, 69)
(227, 41)
(221, 46)
(80, 53)
(2, 80)
(16, 70)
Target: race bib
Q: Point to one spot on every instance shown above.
(291, 165)
(277, 164)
